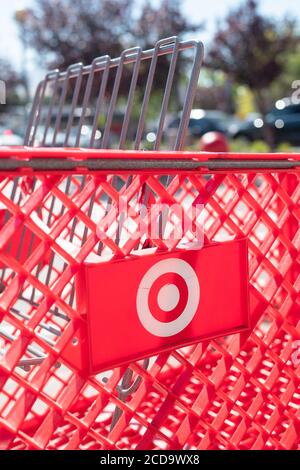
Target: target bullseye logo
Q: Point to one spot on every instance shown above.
(150, 303)
(168, 297)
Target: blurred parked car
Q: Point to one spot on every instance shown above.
(283, 119)
(9, 137)
(249, 129)
(85, 135)
(202, 121)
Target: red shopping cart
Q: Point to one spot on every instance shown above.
(124, 329)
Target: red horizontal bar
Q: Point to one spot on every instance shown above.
(25, 153)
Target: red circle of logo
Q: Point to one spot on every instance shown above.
(161, 281)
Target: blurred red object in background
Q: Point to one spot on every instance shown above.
(213, 142)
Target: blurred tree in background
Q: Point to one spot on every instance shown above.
(283, 85)
(161, 21)
(67, 31)
(251, 49)
(64, 32)
(250, 62)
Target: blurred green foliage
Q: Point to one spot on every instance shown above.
(243, 146)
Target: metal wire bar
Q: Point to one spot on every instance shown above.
(125, 389)
(165, 101)
(130, 99)
(31, 349)
(101, 95)
(62, 100)
(54, 311)
(147, 92)
(36, 110)
(113, 101)
(190, 94)
(50, 107)
(87, 94)
(74, 104)
(42, 325)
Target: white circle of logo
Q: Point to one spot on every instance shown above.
(168, 297)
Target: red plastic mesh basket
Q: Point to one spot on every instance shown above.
(235, 392)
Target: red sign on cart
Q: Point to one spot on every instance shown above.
(146, 304)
